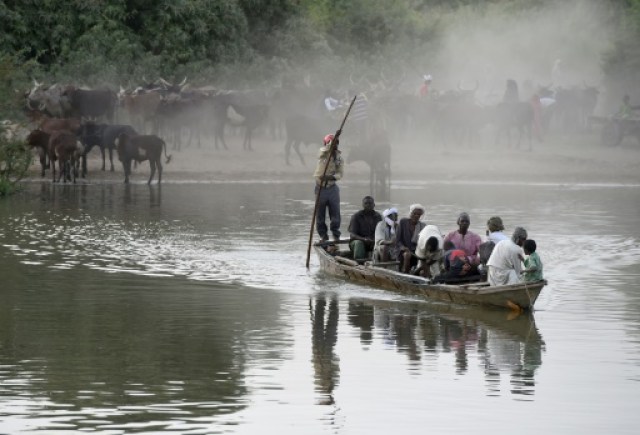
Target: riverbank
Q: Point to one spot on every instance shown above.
(576, 159)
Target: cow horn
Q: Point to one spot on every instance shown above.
(41, 107)
(183, 82)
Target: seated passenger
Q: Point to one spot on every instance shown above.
(385, 237)
(532, 264)
(505, 263)
(460, 270)
(362, 229)
(495, 230)
(466, 240)
(407, 237)
(429, 252)
(448, 247)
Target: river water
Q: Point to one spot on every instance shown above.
(188, 309)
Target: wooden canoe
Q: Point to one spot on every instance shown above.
(515, 296)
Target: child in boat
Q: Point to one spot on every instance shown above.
(448, 247)
(460, 270)
(532, 264)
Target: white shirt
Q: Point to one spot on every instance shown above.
(426, 233)
(506, 255)
(497, 237)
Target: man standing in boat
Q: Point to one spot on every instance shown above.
(329, 192)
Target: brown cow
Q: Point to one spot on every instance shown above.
(141, 107)
(49, 125)
(141, 148)
(40, 140)
(65, 147)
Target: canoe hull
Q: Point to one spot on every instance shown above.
(521, 295)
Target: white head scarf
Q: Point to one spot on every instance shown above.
(392, 224)
(413, 207)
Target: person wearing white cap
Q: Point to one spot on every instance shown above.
(385, 237)
(424, 89)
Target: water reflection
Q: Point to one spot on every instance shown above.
(138, 195)
(127, 353)
(497, 342)
(324, 326)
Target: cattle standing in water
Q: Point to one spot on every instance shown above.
(40, 140)
(65, 147)
(103, 136)
(139, 149)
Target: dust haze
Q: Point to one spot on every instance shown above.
(459, 129)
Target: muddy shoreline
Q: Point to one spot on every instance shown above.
(557, 160)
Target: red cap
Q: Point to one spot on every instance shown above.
(457, 253)
(328, 138)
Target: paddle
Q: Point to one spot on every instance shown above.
(324, 172)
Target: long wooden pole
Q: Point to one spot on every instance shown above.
(332, 148)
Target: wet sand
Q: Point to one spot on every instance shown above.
(570, 159)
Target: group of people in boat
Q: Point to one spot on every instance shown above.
(417, 247)
(420, 248)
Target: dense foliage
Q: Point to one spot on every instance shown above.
(237, 41)
(15, 158)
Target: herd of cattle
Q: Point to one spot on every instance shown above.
(70, 121)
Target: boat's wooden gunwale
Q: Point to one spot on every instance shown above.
(522, 295)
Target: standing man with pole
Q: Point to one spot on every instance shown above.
(327, 190)
(328, 170)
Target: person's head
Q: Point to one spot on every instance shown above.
(390, 214)
(368, 203)
(448, 245)
(432, 244)
(458, 254)
(529, 246)
(458, 259)
(464, 222)
(427, 78)
(416, 211)
(495, 224)
(328, 138)
(519, 236)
